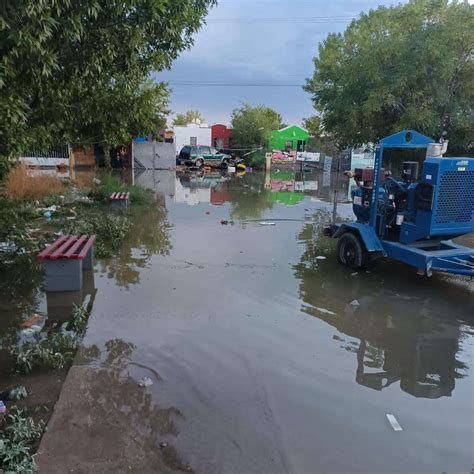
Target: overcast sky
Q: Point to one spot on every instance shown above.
(231, 50)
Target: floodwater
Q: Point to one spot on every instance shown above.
(259, 361)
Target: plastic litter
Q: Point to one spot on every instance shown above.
(164, 444)
(145, 382)
(267, 223)
(354, 303)
(354, 274)
(394, 423)
(231, 169)
(32, 320)
(3, 408)
(320, 257)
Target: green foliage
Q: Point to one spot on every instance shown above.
(252, 125)
(17, 437)
(111, 230)
(110, 184)
(78, 72)
(55, 351)
(407, 66)
(188, 117)
(313, 125)
(257, 160)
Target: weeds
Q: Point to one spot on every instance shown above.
(20, 184)
(17, 437)
(57, 350)
(110, 229)
(110, 184)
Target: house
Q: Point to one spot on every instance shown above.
(192, 134)
(289, 138)
(221, 136)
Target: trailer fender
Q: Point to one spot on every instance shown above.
(367, 235)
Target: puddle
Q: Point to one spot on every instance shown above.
(258, 360)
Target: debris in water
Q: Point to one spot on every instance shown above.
(164, 444)
(14, 393)
(207, 212)
(267, 223)
(320, 257)
(354, 303)
(393, 421)
(224, 222)
(145, 382)
(33, 320)
(324, 311)
(354, 274)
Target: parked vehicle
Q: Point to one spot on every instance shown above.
(203, 155)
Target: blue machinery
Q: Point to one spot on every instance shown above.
(411, 220)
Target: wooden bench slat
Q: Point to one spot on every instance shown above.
(51, 247)
(86, 247)
(70, 253)
(59, 252)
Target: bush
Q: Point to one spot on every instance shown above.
(111, 184)
(257, 160)
(110, 230)
(17, 438)
(21, 185)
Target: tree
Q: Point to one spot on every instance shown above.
(252, 125)
(408, 66)
(188, 117)
(78, 71)
(313, 125)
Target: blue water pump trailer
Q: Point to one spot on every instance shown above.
(412, 219)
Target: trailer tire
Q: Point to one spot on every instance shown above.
(351, 252)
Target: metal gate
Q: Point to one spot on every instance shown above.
(153, 155)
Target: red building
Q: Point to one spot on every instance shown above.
(220, 136)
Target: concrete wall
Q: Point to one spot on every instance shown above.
(182, 135)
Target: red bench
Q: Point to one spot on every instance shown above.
(120, 196)
(65, 259)
(120, 201)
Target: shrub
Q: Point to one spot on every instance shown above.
(257, 160)
(17, 438)
(20, 184)
(110, 184)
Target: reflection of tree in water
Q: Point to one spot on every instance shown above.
(248, 196)
(149, 236)
(125, 410)
(405, 333)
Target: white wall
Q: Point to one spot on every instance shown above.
(182, 135)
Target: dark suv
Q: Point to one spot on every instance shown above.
(202, 155)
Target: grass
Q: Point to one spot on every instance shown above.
(20, 184)
(17, 438)
(110, 184)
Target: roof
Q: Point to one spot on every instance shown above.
(291, 126)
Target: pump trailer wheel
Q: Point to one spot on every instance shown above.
(351, 251)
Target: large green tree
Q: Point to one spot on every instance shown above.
(188, 117)
(407, 66)
(78, 70)
(252, 125)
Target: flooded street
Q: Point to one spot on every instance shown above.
(264, 356)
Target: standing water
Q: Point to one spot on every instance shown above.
(260, 355)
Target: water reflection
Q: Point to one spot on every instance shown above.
(111, 407)
(399, 329)
(150, 235)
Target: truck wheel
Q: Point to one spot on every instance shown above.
(225, 163)
(199, 162)
(351, 251)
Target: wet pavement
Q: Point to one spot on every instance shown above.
(259, 361)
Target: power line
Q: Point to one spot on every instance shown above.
(231, 84)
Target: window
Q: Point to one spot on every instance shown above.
(193, 141)
(214, 151)
(194, 150)
(205, 150)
